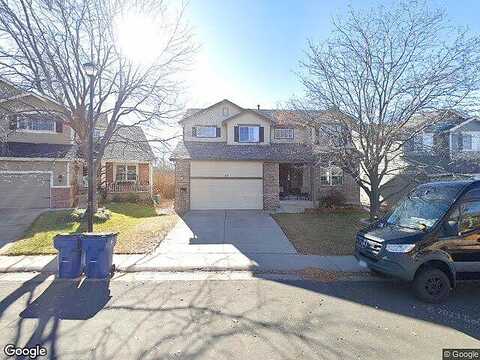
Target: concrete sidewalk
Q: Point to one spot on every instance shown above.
(196, 261)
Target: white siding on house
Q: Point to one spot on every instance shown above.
(210, 117)
(248, 118)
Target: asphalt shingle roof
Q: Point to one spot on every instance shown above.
(29, 150)
(221, 151)
(129, 143)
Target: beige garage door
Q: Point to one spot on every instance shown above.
(24, 190)
(226, 185)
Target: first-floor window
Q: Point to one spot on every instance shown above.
(331, 176)
(248, 133)
(126, 173)
(35, 123)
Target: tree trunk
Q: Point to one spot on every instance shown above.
(374, 198)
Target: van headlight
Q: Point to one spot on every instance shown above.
(400, 248)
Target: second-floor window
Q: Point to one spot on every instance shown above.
(205, 131)
(283, 133)
(249, 134)
(35, 123)
(462, 142)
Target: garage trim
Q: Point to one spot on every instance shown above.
(227, 177)
(35, 172)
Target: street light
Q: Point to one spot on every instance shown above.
(90, 71)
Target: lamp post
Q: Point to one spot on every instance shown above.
(89, 69)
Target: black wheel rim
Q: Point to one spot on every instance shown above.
(434, 286)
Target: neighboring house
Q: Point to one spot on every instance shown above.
(40, 163)
(236, 158)
(448, 148)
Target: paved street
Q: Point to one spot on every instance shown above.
(139, 316)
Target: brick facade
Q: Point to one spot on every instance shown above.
(61, 197)
(349, 188)
(182, 186)
(144, 174)
(271, 187)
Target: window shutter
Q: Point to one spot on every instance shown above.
(194, 131)
(59, 126)
(261, 134)
(467, 142)
(219, 132)
(235, 133)
(13, 122)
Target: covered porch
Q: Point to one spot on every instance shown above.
(295, 187)
(295, 181)
(128, 177)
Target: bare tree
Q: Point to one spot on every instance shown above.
(46, 42)
(377, 70)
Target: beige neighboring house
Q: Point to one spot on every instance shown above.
(40, 163)
(236, 158)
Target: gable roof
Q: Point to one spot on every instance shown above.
(129, 143)
(17, 93)
(256, 113)
(454, 128)
(280, 117)
(191, 112)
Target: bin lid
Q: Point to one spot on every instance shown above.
(100, 234)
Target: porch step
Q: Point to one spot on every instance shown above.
(294, 206)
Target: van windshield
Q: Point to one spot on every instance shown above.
(423, 207)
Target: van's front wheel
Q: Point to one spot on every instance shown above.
(432, 285)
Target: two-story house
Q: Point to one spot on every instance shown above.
(40, 162)
(451, 144)
(236, 158)
(448, 147)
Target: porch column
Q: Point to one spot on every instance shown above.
(271, 186)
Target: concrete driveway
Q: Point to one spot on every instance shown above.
(14, 222)
(227, 231)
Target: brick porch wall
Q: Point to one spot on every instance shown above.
(61, 197)
(271, 187)
(182, 186)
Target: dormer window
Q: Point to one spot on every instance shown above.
(205, 131)
(283, 133)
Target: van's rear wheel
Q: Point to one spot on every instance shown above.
(432, 285)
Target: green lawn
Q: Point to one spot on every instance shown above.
(331, 233)
(140, 229)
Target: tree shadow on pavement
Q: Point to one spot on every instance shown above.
(461, 311)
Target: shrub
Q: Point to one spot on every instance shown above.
(332, 199)
(101, 215)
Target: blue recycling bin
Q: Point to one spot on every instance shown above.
(98, 251)
(70, 259)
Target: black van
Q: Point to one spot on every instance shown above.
(432, 237)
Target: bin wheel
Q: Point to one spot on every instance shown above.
(112, 270)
